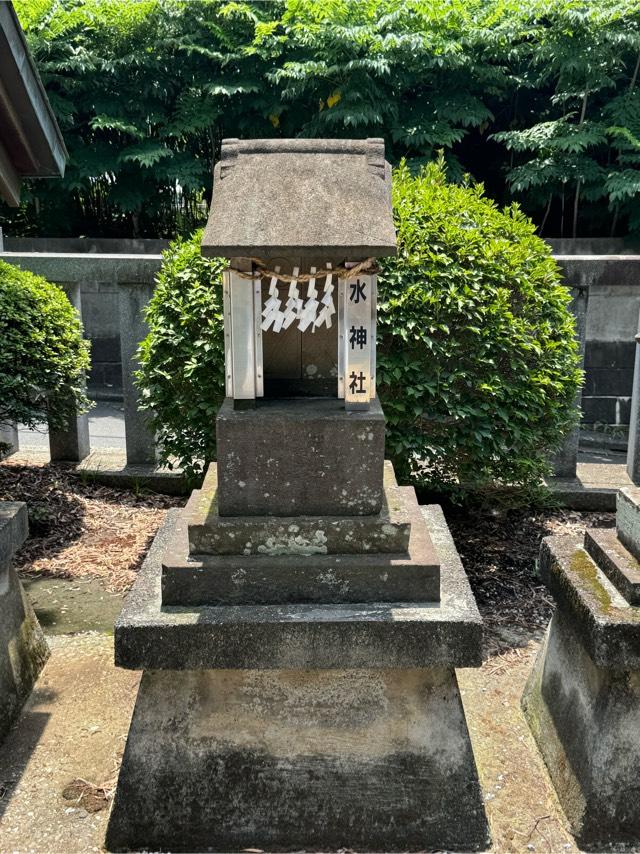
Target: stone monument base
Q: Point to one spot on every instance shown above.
(224, 760)
(582, 700)
(23, 649)
(293, 727)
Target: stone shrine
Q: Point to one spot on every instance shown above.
(299, 622)
(582, 700)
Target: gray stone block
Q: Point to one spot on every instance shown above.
(263, 580)
(288, 457)
(586, 721)
(371, 760)
(211, 533)
(628, 519)
(9, 437)
(23, 649)
(140, 439)
(71, 443)
(149, 636)
(14, 529)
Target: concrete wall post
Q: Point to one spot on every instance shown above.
(140, 440)
(9, 436)
(633, 451)
(566, 460)
(71, 444)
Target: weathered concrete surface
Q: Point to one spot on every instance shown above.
(23, 649)
(566, 460)
(404, 635)
(74, 725)
(109, 466)
(100, 270)
(211, 533)
(283, 197)
(628, 518)
(140, 438)
(618, 564)
(9, 437)
(375, 760)
(323, 578)
(614, 301)
(287, 457)
(72, 443)
(608, 625)
(586, 721)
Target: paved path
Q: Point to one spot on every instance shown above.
(106, 429)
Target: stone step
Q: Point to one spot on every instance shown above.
(448, 633)
(617, 562)
(288, 579)
(210, 533)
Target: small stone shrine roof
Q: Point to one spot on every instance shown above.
(301, 198)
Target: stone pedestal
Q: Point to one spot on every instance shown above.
(23, 649)
(313, 724)
(311, 458)
(582, 700)
(289, 760)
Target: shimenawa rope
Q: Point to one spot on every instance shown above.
(366, 266)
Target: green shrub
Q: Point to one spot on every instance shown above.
(181, 374)
(477, 366)
(43, 356)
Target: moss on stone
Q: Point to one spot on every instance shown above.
(587, 571)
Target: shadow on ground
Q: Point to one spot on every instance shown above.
(18, 751)
(499, 551)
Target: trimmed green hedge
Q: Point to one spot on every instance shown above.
(43, 356)
(477, 364)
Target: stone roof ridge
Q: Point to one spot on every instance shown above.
(372, 148)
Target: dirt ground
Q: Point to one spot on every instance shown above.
(58, 766)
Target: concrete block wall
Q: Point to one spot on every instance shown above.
(99, 292)
(611, 269)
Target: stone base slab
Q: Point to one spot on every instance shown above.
(228, 760)
(323, 578)
(586, 721)
(150, 636)
(23, 649)
(211, 533)
(109, 466)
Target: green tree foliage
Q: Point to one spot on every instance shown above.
(477, 366)
(580, 143)
(537, 98)
(42, 352)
